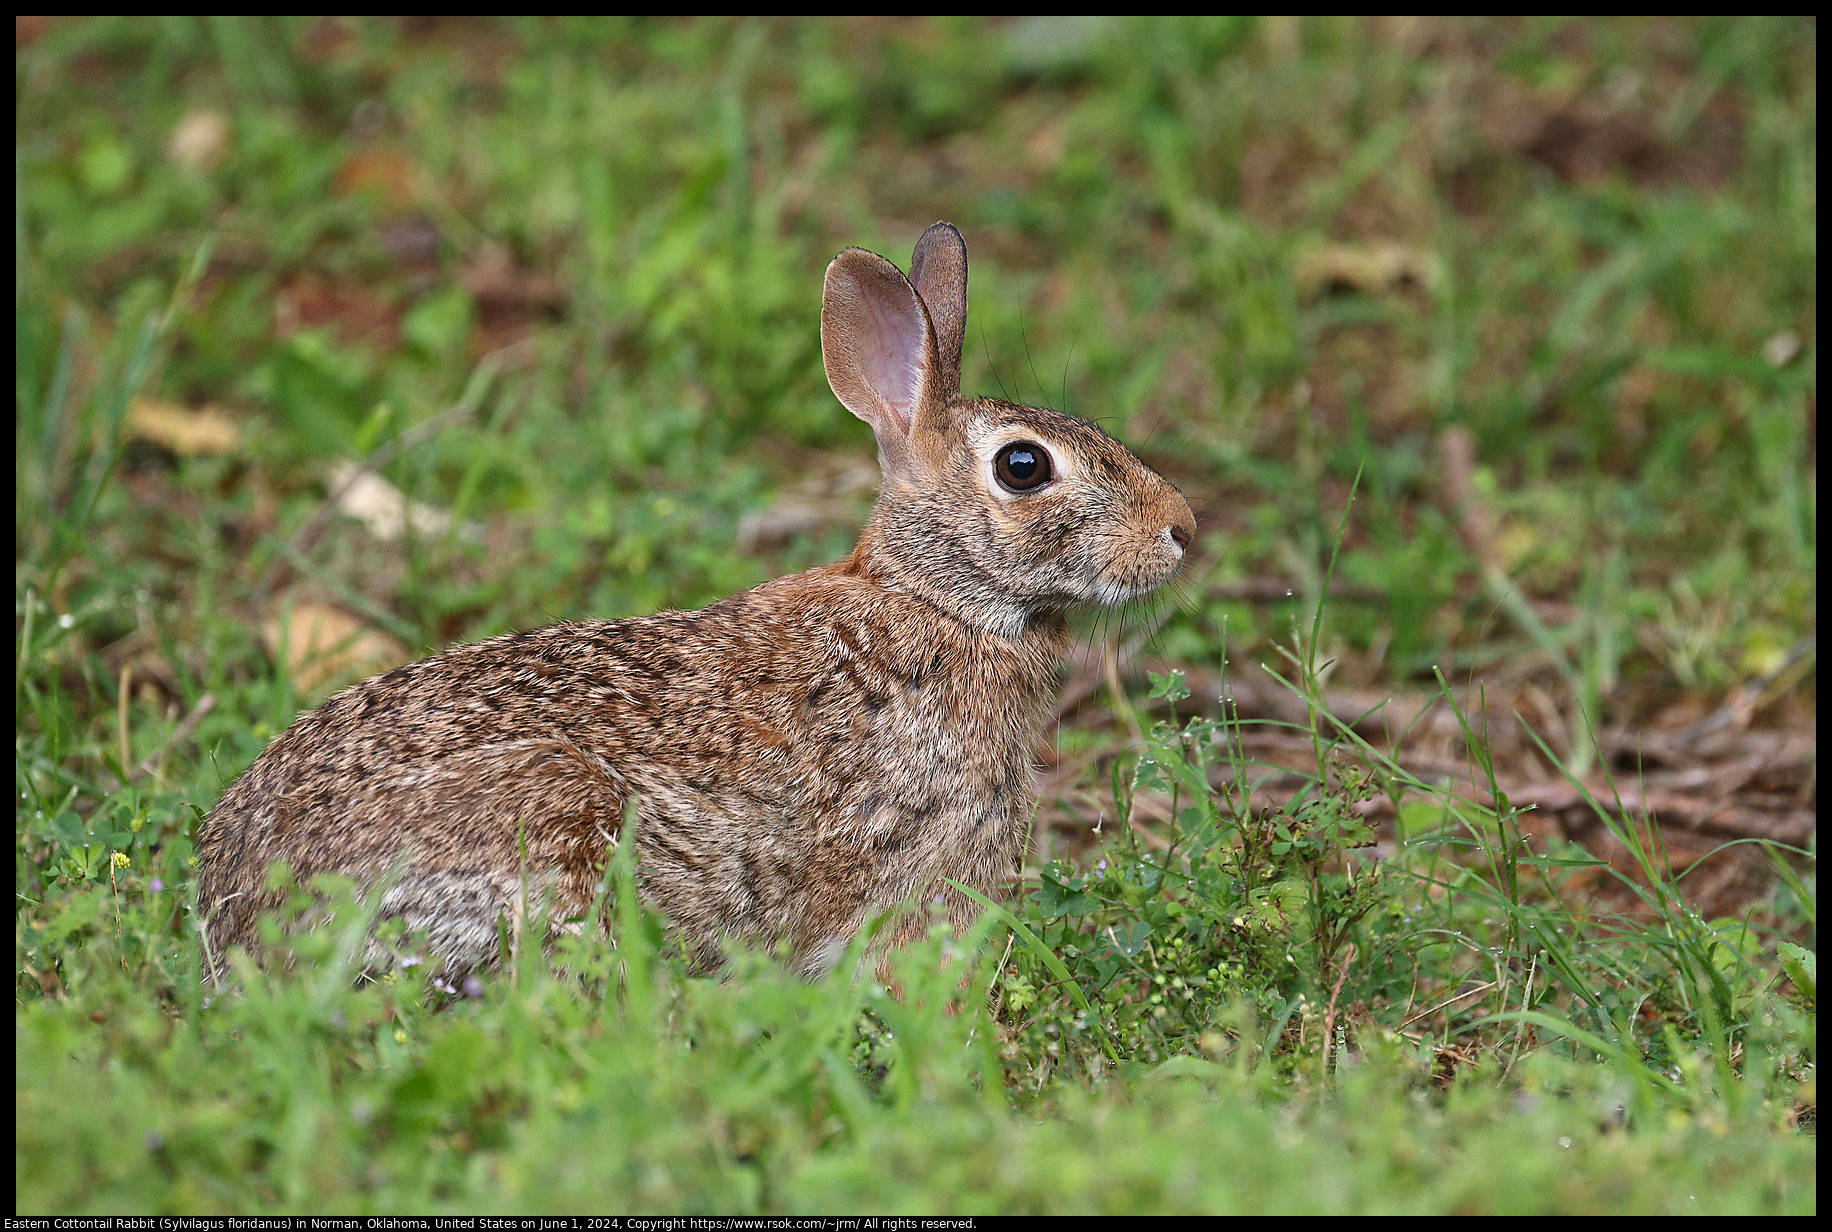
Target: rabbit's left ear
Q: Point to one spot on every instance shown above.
(878, 347)
(938, 270)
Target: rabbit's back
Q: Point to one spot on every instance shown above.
(802, 755)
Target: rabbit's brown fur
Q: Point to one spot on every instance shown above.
(803, 756)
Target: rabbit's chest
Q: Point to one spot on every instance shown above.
(838, 812)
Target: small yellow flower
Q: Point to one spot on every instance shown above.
(121, 860)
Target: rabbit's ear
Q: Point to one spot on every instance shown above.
(938, 270)
(877, 345)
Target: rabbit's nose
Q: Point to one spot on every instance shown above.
(1180, 535)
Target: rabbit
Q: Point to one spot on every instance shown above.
(803, 756)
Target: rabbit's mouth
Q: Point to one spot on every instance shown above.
(1135, 567)
(1111, 585)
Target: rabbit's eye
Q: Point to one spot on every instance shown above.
(1022, 467)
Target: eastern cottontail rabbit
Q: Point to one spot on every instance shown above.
(804, 755)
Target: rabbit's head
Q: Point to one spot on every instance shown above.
(1002, 513)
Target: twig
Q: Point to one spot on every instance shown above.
(1413, 992)
(1526, 1003)
(1468, 992)
(1116, 691)
(348, 594)
(182, 732)
(307, 534)
(1742, 702)
(1156, 840)
(1329, 1015)
(115, 893)
(123, 742)
(998, 995)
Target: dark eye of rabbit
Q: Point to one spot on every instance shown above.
(1022, 467)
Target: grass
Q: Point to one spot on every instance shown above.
(558, 281)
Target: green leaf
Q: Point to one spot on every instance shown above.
(1277, 906)
(104, 165)
(1418, 817)
(1171, 686)
(439, 322)
(1798, 962)
(1188, 1067)
(369, 432)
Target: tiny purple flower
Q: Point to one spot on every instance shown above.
(157, 885)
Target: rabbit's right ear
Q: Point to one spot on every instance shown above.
(878, 346)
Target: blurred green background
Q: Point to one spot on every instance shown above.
(1268, 254)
